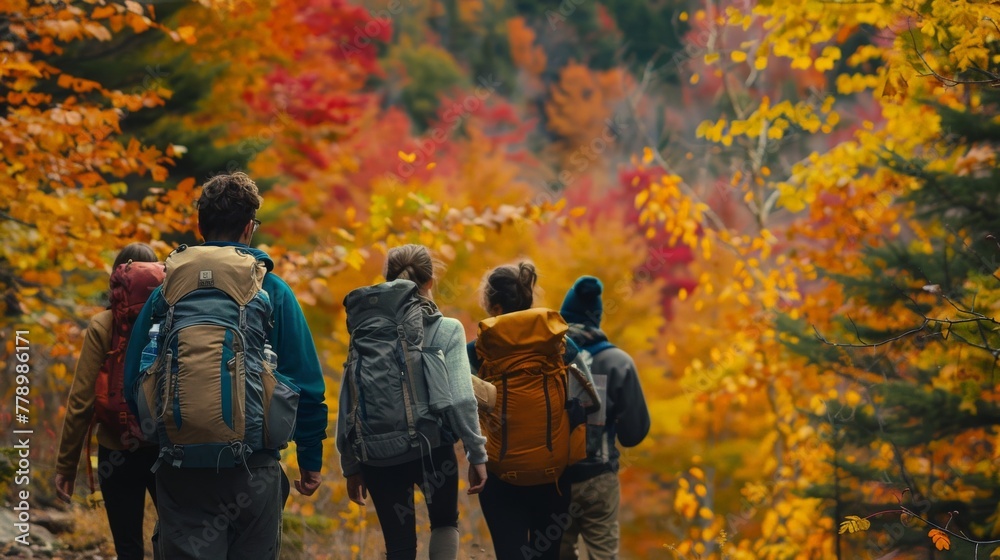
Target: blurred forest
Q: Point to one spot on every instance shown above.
(792, 205)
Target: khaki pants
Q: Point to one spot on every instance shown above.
(593, 529)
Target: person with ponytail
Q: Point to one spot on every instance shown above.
(435, 470)
(96, 400)
(532, 430)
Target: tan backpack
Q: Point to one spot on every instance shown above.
(211, 392)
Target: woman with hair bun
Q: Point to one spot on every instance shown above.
(532, 431)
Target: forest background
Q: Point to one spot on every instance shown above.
(792, 205)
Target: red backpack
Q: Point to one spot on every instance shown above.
(131, 285)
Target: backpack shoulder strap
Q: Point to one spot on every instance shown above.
(595, 349)
(431, 330)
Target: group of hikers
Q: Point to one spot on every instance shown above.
(203, 368)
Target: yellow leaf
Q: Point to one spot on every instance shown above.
(760, 63)
(408, 158)
(894, 85)
(941, 539)
(647, 155)
(854, 524)
(801, 62)
(641, 198)
(355, 259)
(578, 211)
(738, 56)
(186, 33)
(683, 16)
(431, 165)
(711, 58)
(695, 78)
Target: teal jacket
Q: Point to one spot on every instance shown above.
(297, 360)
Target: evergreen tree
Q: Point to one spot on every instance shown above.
(152, 61)
(925, 428)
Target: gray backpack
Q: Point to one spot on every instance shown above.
(396, 380)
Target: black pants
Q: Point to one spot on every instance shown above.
(526, 522)
(125, 478)
(232, 513)
(391, 489)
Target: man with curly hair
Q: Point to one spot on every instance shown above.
(235, 512)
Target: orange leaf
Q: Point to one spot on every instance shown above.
(102, 12)
(159, 173)
(186, 184)
(186, 33)
(941, 539)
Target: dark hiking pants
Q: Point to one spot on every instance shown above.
(232, 513)
(125, 478)
(525, 522)
(391, 489)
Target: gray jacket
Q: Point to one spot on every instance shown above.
(626, 415)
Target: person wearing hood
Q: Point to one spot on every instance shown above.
(595, 490)
(435, 470)
(248, 498)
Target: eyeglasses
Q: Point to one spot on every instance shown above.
(256, 224)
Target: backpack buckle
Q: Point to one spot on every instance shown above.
(177, 453)
(551, 471)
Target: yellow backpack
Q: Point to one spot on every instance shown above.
(529, 437)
